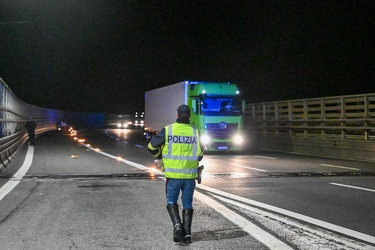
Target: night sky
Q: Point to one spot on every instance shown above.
(101, 55)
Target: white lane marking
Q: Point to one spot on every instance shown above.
(334, 166)
(310, 220)
(16, 178)
(265, 157)
(259, 234)
(253, 230)
(320, 223)
(348, 186)
(297, 233)
(241, 166)
(139, 166)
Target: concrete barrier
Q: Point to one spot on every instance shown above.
(343, 149)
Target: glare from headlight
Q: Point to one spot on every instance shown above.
(205, 139)
(238, 139)
(119, 125)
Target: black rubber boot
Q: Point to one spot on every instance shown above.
(187, 218)
(176, 221)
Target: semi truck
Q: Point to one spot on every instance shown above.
(216, 111)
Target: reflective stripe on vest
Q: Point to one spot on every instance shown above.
(184, 170)
(181, 151)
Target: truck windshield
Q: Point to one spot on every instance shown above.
(221, 105)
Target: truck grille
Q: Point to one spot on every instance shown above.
(216, 131)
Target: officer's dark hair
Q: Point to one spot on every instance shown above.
(183, 111)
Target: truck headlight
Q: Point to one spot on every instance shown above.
(205, 139)
(238, 139)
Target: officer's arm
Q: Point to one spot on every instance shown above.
(156, 144)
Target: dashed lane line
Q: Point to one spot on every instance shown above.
(335, 166)
(265, 157)
(348, 186)
(241, 166)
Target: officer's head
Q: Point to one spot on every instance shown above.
(183, 111)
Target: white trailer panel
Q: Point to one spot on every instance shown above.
(161, 105)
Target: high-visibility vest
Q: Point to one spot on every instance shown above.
(181, 151)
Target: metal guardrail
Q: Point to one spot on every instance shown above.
(10, 144)
(349, 117)
(14, 114)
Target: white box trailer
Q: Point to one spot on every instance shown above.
(216, 110)
(161, 105)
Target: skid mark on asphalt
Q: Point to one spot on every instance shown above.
(297, 216)
(259, 234)
(297, 233)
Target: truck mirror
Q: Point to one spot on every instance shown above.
(194, 106)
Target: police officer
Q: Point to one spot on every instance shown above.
(179, 148)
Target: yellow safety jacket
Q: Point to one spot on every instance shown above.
(181, 151)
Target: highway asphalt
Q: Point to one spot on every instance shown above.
(74, 198)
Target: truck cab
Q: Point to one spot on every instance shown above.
(217, 111)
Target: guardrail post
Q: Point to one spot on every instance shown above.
(264, 119)
(366, 108)
(290, 117)
(276, 123)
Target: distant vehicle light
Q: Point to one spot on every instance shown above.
(119, 125)
(125, 125)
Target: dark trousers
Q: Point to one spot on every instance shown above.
(31, 137)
